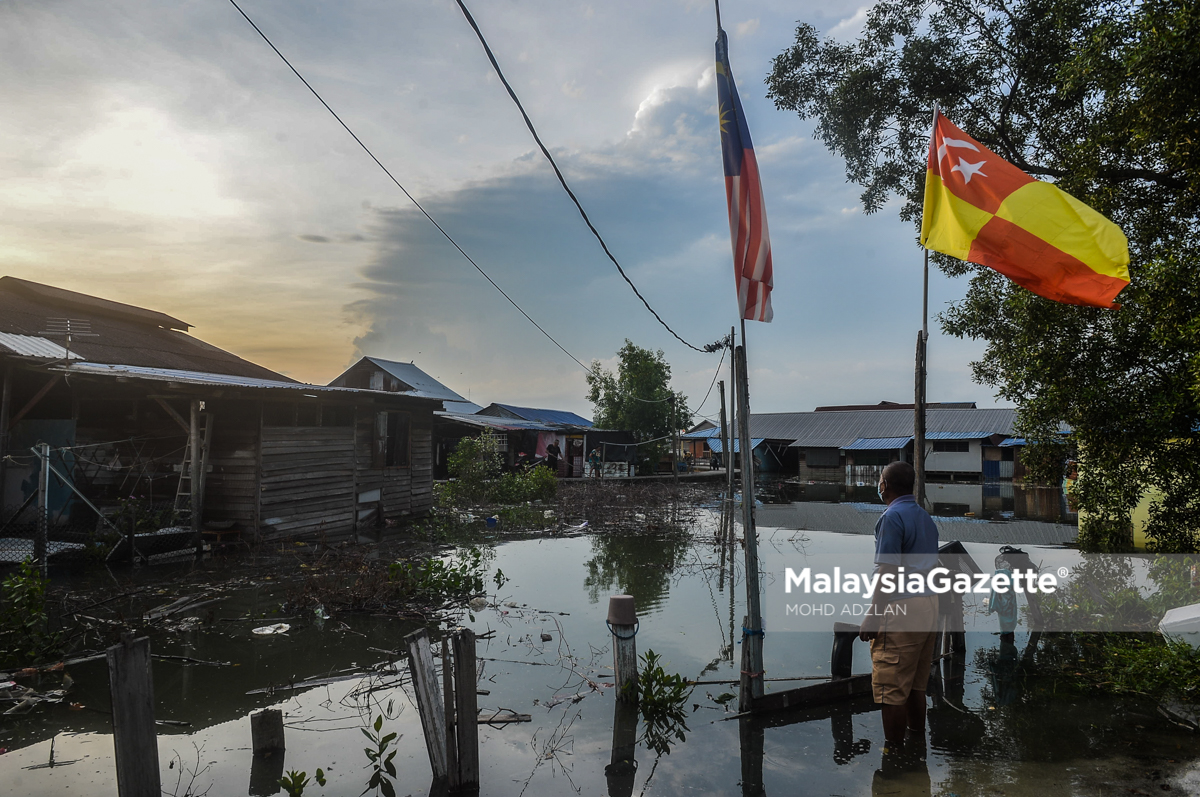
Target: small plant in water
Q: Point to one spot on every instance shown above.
(25, 636)
(462, 574)
(379, 759)
(662, 698)
(294, 782)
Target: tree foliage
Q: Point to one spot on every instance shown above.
(638, 398)
(1100, 98)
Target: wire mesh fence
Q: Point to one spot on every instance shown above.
(131, 529)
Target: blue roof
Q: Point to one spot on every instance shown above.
(1012, 441)
(957, 435)
(715, 444)
(879, 443)
(703, 434)
(562, 417)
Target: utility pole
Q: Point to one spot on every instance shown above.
(674, 441)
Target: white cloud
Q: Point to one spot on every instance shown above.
(747, 28)
(851, 27)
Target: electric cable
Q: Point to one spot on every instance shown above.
(708, 349)
(411, 198)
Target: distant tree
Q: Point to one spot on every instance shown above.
(638, 398)
(1101, 98)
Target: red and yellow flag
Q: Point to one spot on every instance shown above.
(981, 208)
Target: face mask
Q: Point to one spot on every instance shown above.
(879, 492)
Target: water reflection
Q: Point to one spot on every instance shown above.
(636, 565)
(990, 500)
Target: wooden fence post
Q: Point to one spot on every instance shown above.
(448, 687)
(266, 741)
(135, 740)
(466, 707)
(623, 623)
(429, 701)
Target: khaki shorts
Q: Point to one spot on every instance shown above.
(900, 659)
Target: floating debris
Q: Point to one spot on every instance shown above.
(269, 630)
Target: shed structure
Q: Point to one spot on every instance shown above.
(123, 400)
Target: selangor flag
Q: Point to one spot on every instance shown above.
(981, 208)
(747, 217)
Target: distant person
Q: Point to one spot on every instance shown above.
(553, 452)
(594, 462)
(900, 625)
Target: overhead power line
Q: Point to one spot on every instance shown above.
(708, 349)
(411, 198)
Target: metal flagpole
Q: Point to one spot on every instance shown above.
(922, 372)
(752, 634)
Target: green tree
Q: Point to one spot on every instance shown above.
(1101, 98)
(638, 398)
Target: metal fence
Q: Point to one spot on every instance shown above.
(131, 530)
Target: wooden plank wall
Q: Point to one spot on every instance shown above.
(231, 483)
(307, 484)
(405, 492)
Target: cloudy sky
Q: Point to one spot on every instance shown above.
(160, 154)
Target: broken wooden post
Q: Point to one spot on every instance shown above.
(623, 625)
(266, 742)
(448, 703)
(135, 741)
(429, 701)
(466, 705)
(266, 731)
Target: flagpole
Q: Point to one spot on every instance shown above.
(752, 633)
(717, 3)
(922, 370)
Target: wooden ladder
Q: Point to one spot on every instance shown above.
(183, 492)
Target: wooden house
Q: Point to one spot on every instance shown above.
(132, 406)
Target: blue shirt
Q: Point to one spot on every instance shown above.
(906, 536)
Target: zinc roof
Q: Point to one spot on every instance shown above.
(34, 346)
(558, 417)
(878, 443)
(841, 428)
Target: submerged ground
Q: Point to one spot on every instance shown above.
(1001, 729)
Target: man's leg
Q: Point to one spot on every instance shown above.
(895, 719)
(915, 711)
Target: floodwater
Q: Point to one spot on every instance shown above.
(995, 734)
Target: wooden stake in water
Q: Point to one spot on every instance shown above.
(466, 707)
(429, 701)
(135, 740)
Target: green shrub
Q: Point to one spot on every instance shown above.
(25, 636)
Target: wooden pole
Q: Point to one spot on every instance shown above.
(5, 411)
(429, 701)
(466, 706)
(919, 422)
(728, 443)
(752, 634)
(674, 441)
(135, 740)
(194, 470)
(622, 623)
(448, 702)
(40, 546)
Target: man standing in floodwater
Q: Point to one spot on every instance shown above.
(901, 624)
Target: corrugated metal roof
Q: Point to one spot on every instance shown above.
(494, 422)
(716, 445)
(878, 443)
(425, 386)
(211, 380)
(975, 435)
(560, 417)
(702, 434)
(839, 429)
(1008, 442)
(33, 346)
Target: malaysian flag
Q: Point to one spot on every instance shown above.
(747, 214)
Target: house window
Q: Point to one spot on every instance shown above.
(392, 439)
(951, 446)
